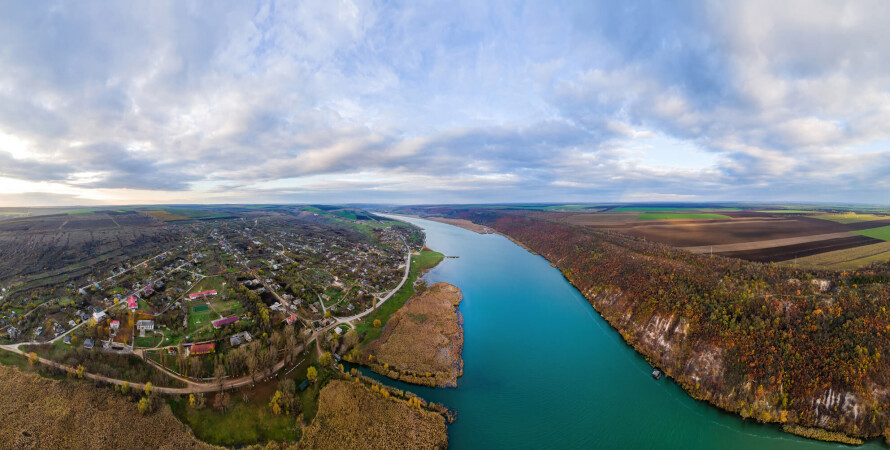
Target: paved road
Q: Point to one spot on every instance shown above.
(191, 388)
(383, 299)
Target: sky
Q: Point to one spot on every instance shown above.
(331, 101)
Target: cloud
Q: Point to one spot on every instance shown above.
(470, 101)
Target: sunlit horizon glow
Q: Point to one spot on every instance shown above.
(111, 103)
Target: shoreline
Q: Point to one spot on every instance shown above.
(468, 225)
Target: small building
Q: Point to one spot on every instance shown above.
(67, 339)
(223, 322)
(291, 319)
(145, 325)
(99, 316)
(88, 344)
(131, 303)
(338, 330)
(304, 385)
(115, 324)
(12, 332)
(202, 349)
(237, 339)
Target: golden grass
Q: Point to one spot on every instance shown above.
(353, 416)
(165, 216)
(850, 258)
(851, 217)
(44, 413)
(423, 340)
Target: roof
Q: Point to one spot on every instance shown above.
(226, 321)
(200, 349)
(115, 322)
(202, 293)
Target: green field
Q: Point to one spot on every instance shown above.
(882, 233)
(673, 216)
(243, 424)
(425, 260)
(201, 308)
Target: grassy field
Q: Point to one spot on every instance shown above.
(672, 216)
(243, 424)
(882, 233)
(165, 216)
(850, 258)
(425, 260)
(850, 217)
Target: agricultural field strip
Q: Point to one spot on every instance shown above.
(848, 258)
(739, 221)
(757, 245)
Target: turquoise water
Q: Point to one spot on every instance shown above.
(543, 370)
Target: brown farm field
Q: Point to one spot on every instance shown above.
(750, 235)
(852, 258)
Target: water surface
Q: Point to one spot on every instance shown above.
(543, 370)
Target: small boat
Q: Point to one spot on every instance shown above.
(656, 374)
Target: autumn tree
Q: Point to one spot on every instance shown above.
(311, 374)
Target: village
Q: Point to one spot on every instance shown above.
(223, 285)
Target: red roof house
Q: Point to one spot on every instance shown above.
(202, 294)
(131, 303)
(223, 322)
(202, 349)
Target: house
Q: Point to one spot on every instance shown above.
(223, 322)
(290, 320)
(115, 324)
(240, 338)
(12, 332)
(99, 316)
(210, 293)
(202, 349)
(88, 344)
(67, 339)
(338, 330)
(131, 303)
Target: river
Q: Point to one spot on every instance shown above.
(543, 370)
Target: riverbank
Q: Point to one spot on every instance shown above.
(468, 225)
(423, 340)
(352, 415)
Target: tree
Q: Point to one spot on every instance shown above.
(377, 323)
(325, 359)
(148, 388)
(327, 314)
(219, 373)
(125, 388)
(276, 408)
(311, 374)
(192, 400)
(144, 406)
(32, 358)
(79, 371)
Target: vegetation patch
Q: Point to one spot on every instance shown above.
(353, 416)
(69, 414)
(423, 340)
(851, 217)
(882, 233)
(165, 216)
